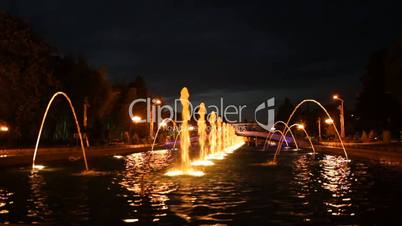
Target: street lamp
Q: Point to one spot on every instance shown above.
(136, 119)
(154, 102)
(4, 129)
(341, 115)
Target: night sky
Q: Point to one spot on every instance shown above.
(245, 51)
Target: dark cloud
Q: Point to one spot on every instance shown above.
(240, 49)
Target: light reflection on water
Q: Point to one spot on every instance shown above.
(332, 183)
(5, 202)
(301, 189)
(185, 197)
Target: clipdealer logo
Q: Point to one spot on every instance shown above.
(229, 113)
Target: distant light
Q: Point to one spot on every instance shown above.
(39, 167)
(300, 126)
(117, 156)
(335, 97)
(329, 121)
(191, 128)
(156, 101)
(130, 220)
(273, 129)
(3, 128)
(136, 119)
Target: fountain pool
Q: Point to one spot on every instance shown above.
(301, 190)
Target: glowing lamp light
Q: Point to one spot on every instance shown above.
(136, 119)
(130, 220)
(335, 97)
(38, 167)
(191, 128)
(3, 128)
(300, 126)
(329, 121)
(156, 101)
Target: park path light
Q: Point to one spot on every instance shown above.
(341, 114)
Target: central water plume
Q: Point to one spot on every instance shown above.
(219, 134)
(202, 131)
(185, 133)
(212, 133)
(185, 143)
(202, 139)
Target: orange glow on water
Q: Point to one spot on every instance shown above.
(202, 163)
(189, 172)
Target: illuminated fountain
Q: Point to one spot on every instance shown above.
(327, 114)
(226, 135)
(300, 126)
(185, 165)
(217, 153)
(38, 167)
(287, 127)
(162, 124)
(212, 133)
(219, 134)
(202, 131)
(202, 139)
(272, 133)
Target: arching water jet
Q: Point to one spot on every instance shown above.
(301, 127)
(328, 115)
(282, 136)
(38, 167)
(163, 123)
(287, 127)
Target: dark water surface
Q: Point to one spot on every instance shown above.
(302, 189)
